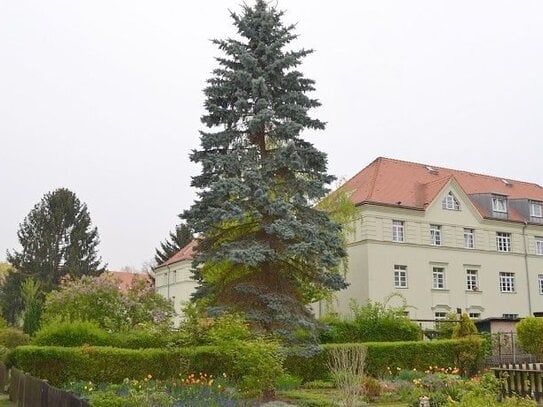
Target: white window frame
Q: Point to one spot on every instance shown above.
(503, 242)
(539, 246)
(536, 209)
(540, 283)
(450, 202)
(472, 280)
(435, 235)
(400, 276)
(397, 230)
(469, 238)
(438, 278)
(440, 315)
(507, 282)
(499, 204)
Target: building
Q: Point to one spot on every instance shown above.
(445, 240)
(173, 278)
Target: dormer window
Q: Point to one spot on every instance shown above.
(450, 202)
(499, 204)
(536, 209)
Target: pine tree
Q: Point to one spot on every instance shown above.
(177, 240)
(264, 249)
(57, 239)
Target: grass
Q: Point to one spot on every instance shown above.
(322, 398)
(4, 401)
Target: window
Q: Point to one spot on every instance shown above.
(536, 209)
(499, 204)
(507, 282)
(539, 246)
(450, 202)
(435, 235)
(397, 230)
(510, 316)
(440, 315)
(474, 315)
(472, 280)
(469, 239)
(174, 277)
(503, 241)
(540, 283)
(400, 276)
(438, 278)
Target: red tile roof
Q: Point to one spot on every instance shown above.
(186, 253)
(406, 184)
(126, 278)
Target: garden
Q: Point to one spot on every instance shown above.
(119, 349)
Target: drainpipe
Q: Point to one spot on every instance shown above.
(168, 280)
(526, 267)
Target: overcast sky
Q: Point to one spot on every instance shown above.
(104, 97)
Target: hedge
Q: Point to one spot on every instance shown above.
(242, 361)
(463, 353)
(58, 365)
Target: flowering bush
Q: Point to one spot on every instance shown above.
(99, 299)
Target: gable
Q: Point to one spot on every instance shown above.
(466, 214)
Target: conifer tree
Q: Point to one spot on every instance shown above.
(57, 238)
(177, 240)
(263, 249)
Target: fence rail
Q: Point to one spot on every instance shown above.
(28, 391)
(525, 379)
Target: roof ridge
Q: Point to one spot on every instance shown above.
(461, 171)
(374, 176)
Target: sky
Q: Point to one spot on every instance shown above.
(104, 97)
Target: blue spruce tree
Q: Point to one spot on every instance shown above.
(263, 249)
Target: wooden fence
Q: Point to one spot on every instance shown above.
(28, 391)
(525, 379)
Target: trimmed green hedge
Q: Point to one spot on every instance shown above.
(463, 353)
(242, 362)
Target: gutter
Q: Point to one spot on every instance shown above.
(526, 267)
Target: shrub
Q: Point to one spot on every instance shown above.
(100, 300)
(465, 327)
(530, 335)
(74, 333)
(254, 365)
(406, 355)
(371, 322)
(141, 339)
(13, 337)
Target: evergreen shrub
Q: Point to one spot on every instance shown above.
(76, 333)
(141, 339)
(463, 353)
(254, 365)
(13, 337)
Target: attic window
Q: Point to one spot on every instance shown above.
(499, 203)
(431, 170)
(450, 202)
(536, 211)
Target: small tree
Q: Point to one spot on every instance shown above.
(530, 335)
(465, 327)
(32, 300)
